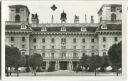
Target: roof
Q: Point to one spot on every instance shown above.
(112, 27)
(68, 29)
(105, 5)
(19, 6)
(15, 27)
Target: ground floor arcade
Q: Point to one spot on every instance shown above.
(60, 64)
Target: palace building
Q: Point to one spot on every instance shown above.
(63, 44)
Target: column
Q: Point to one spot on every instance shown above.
(47, 65)
(57, 66)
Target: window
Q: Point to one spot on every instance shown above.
(23, 53)
(43, 47)
(83, 54)
(92, 40)
(52, 40)
(104, 39)
(63, 47)
(23, 39)
(74, 47)
(52, 47)
(17, 18)
(43, 54)
(74, 40)
(92, 47)
(92, 54)
(12, 39)
(63, 55)
(104, 46)
(63, 40)
(83, 47)
(113, 17)
(34, 40)
(43, 40)
(34, 47)
(104, 53)
(52, 55)
(17, 10)
(75, 55)
(83, 40)
(23, 46)
(116, 39)
(113, 8)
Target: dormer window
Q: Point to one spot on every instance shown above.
(43, 29)
(103, 26)
(23, 26)
(63, 28)
(83, 29)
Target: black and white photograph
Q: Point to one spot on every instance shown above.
(62, 38)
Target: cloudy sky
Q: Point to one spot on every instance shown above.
(42, 8)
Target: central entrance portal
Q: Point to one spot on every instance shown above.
(63, 65)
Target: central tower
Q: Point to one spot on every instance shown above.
(63, 17)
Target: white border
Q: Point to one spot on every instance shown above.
(124, 54)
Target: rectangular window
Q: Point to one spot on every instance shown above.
(83, 47)
(63, 47)
(92, 54)
(74, 47)
(52, 40)
(23, 46)
(92, 47)
(52, 55)
(23, 39)
(52, 47)
(75, 55)
(17, 10)
(104, 46)
(116, 39)
(34, 47)
(43, 47)
(83, 54)
(113, 8)
(83, 40)
(43, 54)
(34, 40)
(23, 53)
(43, 40)
(104, 39)
(63, 55)
(63, 40)
(92, 40)
(12, 39)
(74, 40)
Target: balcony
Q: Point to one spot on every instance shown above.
(15, 23)
(111, 22)
(61, 58)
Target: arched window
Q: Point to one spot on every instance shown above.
(17, 18)
(113, 17)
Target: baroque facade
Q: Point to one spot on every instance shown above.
(63, 44)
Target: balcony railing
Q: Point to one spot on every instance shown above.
(15, 23)
(61, 57)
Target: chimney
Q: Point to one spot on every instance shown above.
(92, 20)
(85, 19)
(34, 19)
(76, 19)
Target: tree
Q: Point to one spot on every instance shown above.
(83, 61)
(35, 62)
(115, 55)
(12, 57)
(94, 62)
(105, 64)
